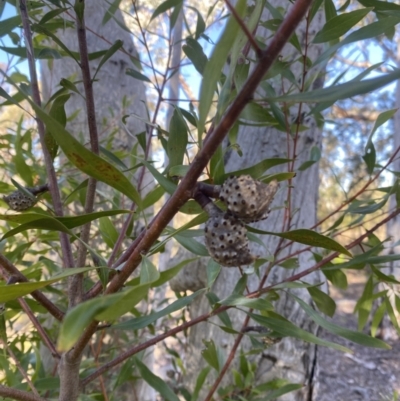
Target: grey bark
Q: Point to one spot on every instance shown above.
(290, 359)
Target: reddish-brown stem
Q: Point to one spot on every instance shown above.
(19, 367)
(75, 292)
(39, 328)
(228, 362)
(67, 257)
(244, 28)
(19, 395)
(42, 299)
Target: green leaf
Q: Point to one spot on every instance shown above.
(168, 185)
(292, 263)
(213, 270)
(156, 382)
(370, 153)
(69, 222)
(343, 91)
(148, 272)
(201, 378)
(192, 245)
(211, 355)
(315, 156)
(309, 237)
(288, 329)
(137, 75)
(287, 388)
(144, 321)
(213, 69)
(254, 303)
(114, 6)
(258, 169)
(367, 32)
(376, 320)
(41, 29)
(17, 290)
(195, 54)
(323, 301)
(78, 318)
(85, 160)
(339, 25)
(7, 25)
(108, 232)
(336, 277)
(164, 6)
(57, 111)
(354, 336)
(178, 139)
(113, 49)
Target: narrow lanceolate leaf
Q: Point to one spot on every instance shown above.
(17, 290)
(114, 48)
(178, 139)
(144, 321)
(85, 160)
(342, 91)
(195, 54)
(212, 71)
(57, 111)
(156, 382)
(164, 6)
(287, 388)
(309, 237)
(356, 337)
(339, 25)
(137, 75)
(323, 301)
(288, 329)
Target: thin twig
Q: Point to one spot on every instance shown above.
(244, 28)
(42, 299)
(51, 174)
(76, 283)
(39, 328)
(19, 367)
(19, 395)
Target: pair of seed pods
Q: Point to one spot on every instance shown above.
(247, 200)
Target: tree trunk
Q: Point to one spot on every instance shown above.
(290, 359)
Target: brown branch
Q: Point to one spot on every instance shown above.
(20, 368)
(184, 190)
(51, 174)
(42, 299)
(18, 394)
(75, 292)
(39, 328)
(134, 350)
(244, 28)
(228, 361)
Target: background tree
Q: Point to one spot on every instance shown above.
(260, 87)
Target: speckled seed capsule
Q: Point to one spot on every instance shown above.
(19, 201)
(247, 198)
(225, 238)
